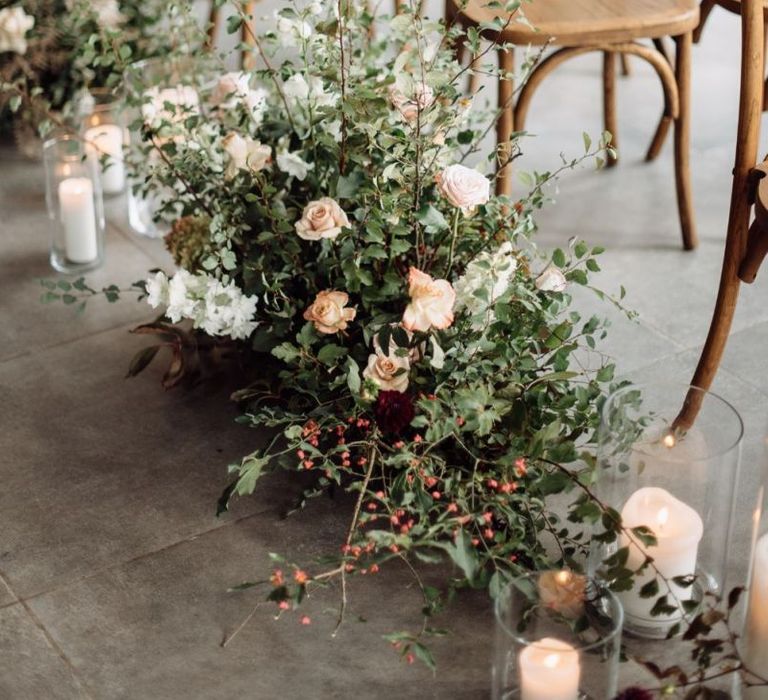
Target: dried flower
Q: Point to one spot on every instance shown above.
(563, 592)
(187, 241)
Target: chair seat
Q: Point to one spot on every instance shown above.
(587, 22)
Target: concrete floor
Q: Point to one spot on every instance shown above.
(113, 568)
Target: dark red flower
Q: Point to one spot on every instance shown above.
(394, 411)
(634, 693)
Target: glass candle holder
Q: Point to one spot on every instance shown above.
(162, 94)
(674, 492)
(105, 137)
(754, 647)
(75, 206)
(558, 637)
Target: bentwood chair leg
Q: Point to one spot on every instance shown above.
(248, 60)
(704, 9)
(747, 142)
(683, 141)
(609, 100)
(214, 22)
(506, 123)
(625, 68)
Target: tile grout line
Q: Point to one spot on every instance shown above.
(131, 560)
(52, 643)
(46, 348)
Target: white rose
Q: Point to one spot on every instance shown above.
(294, 165)
(464, 187)
(244, 154)
(108, 13)
(389, 372)
(14, 24)
(296, 87)
(322, 218)
(551, 279)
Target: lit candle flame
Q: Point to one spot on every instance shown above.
(95, 121)
(669, 440)
(66, 170)
(663, 516)
(563, 576)
(551, 660)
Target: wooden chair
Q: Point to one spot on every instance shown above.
(611, 27)
(732, 6)
(745, 245)
(214, 24)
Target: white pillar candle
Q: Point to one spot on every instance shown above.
(78, 217)
(678, 529)
(107, 139)
(756, 632)
(549, 670)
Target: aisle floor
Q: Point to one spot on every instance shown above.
(113, 567)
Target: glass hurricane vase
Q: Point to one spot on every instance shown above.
(558, 637)
(673, 491)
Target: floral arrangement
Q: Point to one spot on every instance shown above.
(333, 225)
(414, 348)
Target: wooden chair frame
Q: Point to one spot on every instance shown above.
(745, 246)
(675, 78)
(214, 24)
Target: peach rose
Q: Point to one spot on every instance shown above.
(431, 302)
(328, 311)
(389, 372)
(463, 187)
(245, 154)
(322, 218)
(409, 107)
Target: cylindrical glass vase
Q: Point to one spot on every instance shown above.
(754, 647)
(558, 637)
(162, 94)
(105, 136)
(75, 206)
(673, 493)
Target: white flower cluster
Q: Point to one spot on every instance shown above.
(14, 25)
(215, 307)
(485, 280)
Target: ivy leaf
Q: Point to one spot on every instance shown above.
(463, 555)
(432, 218)
(353, 376)
(330, 353)
(438, 356)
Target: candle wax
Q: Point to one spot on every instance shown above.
(78, 217)
(678, 529)
(549, 670)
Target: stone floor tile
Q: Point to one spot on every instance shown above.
(97, 469)
(30, 668)
(152, 627)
